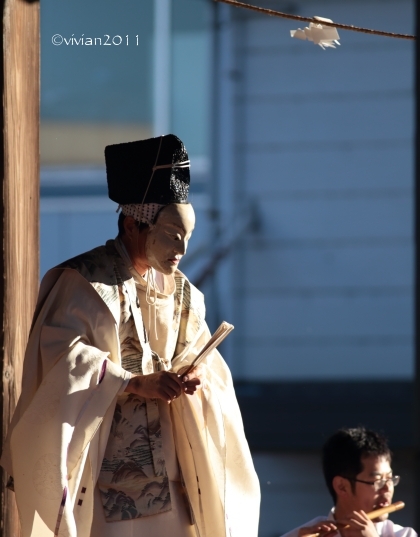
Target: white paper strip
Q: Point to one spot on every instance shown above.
(324, 36)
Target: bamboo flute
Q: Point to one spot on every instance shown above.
(372, 515)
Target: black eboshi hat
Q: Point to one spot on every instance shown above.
(156, 170)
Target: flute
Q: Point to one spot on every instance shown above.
(372, 515)
(385, 510)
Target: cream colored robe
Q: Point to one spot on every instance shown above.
(72, 376)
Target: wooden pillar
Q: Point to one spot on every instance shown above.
(20, 208)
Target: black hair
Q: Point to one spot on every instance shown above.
(344, 451)
(121, 231)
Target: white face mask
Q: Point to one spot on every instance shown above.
(167, 241)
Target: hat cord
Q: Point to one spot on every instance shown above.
(183, 164)
(153, 171)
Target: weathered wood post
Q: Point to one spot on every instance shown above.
(20, 207)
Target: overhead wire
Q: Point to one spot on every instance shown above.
(290, 16)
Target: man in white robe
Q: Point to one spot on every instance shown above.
(109, 438)
(358, 474)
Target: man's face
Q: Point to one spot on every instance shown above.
(167, 241)
(365, 497)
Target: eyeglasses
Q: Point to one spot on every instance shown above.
(380, 483)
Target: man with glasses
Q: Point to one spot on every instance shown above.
(358, 475)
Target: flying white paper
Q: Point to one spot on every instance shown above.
(324, 36)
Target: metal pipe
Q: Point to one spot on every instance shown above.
(162, 68)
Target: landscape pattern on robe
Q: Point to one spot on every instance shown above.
(128, 482)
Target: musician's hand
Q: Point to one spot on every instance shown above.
(162, 385)
(325, 527)
(360, 526)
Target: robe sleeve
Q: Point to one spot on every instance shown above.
(73, 357)
(213, 453)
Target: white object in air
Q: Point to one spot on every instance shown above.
(324, 36)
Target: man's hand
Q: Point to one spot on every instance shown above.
(195, 378)
(162, 385)
(326, 527)
(360, 526)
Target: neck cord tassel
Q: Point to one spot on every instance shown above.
(151, 284)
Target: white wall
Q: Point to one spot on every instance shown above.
(323, 147)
